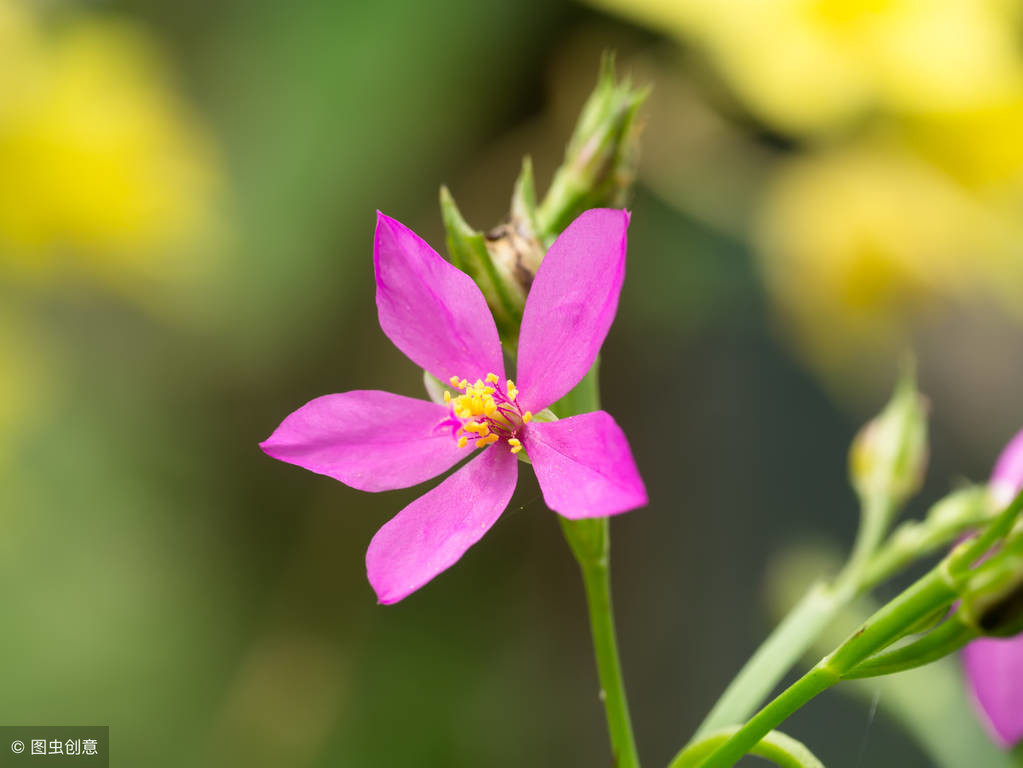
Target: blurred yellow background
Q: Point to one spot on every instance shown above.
(187, 198)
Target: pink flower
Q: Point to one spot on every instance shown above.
(436, 315)
(994, 667)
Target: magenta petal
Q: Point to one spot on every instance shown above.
(433, 312)
(433, 532)
(994, 668)
(570, 306)
(584, 466)
(1007, 477)
(370, 440)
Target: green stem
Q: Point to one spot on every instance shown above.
(789, 641)
(929, 594)
(796, 633)
(961, 512)
(590, 544)
(874, 518)
(869, 563)
(971, 550)
(928, 702)
(952, 635)
(780, 749)
(595, 172)
(922, 599)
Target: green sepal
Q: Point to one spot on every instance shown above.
(523, 205)
(435, 388)
(588, 538)
(468, 251)
(544, 416)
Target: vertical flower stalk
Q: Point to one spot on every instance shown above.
(590, 542)
(597, 171)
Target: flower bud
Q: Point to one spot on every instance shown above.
(598, 168)
(514, 245)
(889, 455)
(601, 157)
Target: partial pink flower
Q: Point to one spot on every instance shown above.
(994, 667)
(437, 316)
(1007, 476)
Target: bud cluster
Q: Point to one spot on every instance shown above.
(597, 171)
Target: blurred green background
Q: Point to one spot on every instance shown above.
(187, 198)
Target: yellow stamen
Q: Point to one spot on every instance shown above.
(478, 427)
(480, 414)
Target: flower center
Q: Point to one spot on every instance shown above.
(486, 412)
